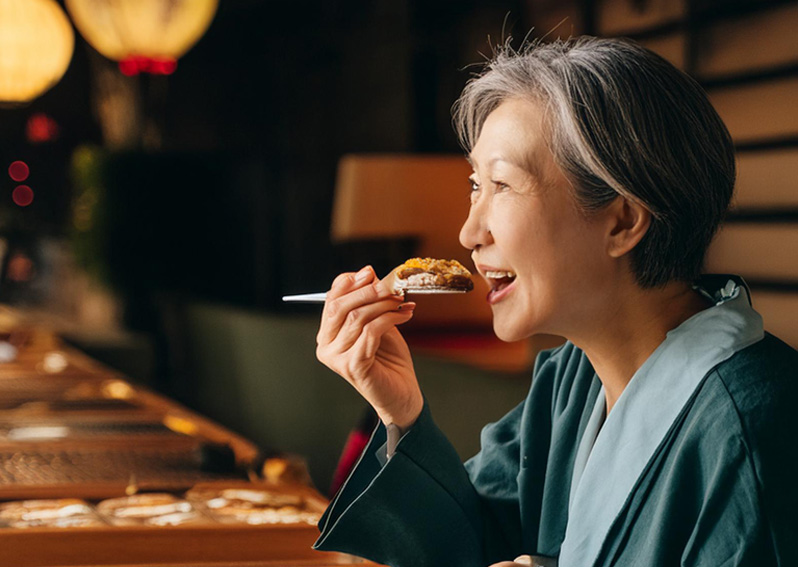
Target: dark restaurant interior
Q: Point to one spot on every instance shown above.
(171, 211)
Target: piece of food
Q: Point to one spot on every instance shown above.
(432, 274)
(65, 512)
(254, 506)
(150, 509)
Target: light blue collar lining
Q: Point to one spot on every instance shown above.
(611, 457)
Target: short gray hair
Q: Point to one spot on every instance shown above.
(621, 120)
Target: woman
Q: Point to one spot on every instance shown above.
(663, 431)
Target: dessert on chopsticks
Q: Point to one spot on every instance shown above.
(431, 275)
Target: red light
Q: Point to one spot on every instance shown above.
(18, 171)
(22, 195)
(41, 128)
(129, 67)
(163, 67)
(135, 64)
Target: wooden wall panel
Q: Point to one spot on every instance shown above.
(778, 311)
(759, 110)
(556, 19)
(762, 40)
(620, 16)
(756, 250)
(767, 179)
(671, 47)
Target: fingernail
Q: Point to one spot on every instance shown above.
(406, 306)
(362, 275)
(523, 560)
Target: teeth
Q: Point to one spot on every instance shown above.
(498, 275)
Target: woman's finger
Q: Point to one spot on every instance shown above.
(368, 342)
(517, 562)
(339, 348)
(358, 318)
(343, 284)
(347, 309)
(338, 311)
(346, 282)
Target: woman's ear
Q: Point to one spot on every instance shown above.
(629, 222)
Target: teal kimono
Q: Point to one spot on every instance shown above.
(696, 465)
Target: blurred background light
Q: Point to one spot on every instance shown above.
(36, 44)
(18, 171)
(41, 128)
(22, 195)
(143, 35)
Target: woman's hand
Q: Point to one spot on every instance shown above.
(359, 340)
(517, 562)
(528, 560)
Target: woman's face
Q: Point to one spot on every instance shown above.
(544, 260)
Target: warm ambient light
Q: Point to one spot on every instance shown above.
(143, 35)
(36, 43)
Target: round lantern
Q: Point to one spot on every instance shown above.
(36, 44)
(143, 35)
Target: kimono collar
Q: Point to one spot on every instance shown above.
(613, 456)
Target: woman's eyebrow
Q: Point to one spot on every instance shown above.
(492, 161)
(528, 165)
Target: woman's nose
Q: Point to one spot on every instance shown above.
(475, 232)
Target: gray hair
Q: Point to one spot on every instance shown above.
(621, 120)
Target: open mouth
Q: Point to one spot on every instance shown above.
(498, 280)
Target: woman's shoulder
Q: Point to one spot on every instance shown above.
(761, 383)
(764, 372)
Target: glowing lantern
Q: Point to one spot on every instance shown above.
(143, 35)
(36, 43)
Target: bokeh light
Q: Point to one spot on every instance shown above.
(54, 362)
(41, 128)
(18, 171)
(22, 195)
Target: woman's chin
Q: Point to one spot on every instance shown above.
(507, 332)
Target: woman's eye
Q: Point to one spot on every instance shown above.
(473, 194)
(500, 186)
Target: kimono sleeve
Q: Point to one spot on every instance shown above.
(765, 399)
(419, 509)
(769, 417)
(424, 507)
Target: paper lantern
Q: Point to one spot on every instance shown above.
(142, 35)
(36, 44)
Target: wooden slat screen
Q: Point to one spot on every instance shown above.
(622, 17)
(767, 179)
(760, 110)
(763, 40)
(760, 251)
(778, 311)
(670, 46)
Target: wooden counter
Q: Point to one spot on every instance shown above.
(73, 428)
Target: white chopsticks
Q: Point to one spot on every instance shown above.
(321, 297)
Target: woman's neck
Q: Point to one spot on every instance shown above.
(618, 343)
